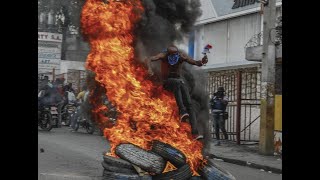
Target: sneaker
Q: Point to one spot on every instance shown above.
(198, 137)
(184, 117)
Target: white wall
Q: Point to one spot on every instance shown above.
(241, 30)
(65, 65)
(228, 38)
(216, 35)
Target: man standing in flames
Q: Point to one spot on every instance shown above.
(171, 64)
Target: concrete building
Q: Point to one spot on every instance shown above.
(51, 43)
(232, 27)
(228, 27)
(49, 52)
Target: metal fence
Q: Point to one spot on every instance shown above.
(242, 87)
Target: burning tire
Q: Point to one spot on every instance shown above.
(107, 175)
(117, 162)
(169, 153)
(182, 173)
(147, 161)
(111, 168)
(212, 171)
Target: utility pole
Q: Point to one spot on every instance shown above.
(266, 145)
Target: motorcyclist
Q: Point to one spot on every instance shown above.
(80, 103)
(68, 99)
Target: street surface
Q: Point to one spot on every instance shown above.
(248, 173)
(67, 153)
(80, 154)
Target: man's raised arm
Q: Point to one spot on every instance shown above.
(153, 58)
(189, 60)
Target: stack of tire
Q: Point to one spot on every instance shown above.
(116, 168)
(154, 162)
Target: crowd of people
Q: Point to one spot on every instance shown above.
(60, 94)
(53, 92)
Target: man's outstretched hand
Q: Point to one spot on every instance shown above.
(204, 59)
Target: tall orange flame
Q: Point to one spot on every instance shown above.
(146, 110)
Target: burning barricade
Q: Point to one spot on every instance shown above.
(148, 136)
(162, 162)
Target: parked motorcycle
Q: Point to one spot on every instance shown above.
(54, 115)
(47, 112)
(45, 119)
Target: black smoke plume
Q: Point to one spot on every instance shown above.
(165, 21)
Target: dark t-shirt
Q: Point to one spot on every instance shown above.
(219, 103)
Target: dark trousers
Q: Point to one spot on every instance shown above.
(183, 99)
(219, 123)
(61, 107)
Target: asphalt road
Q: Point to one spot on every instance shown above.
(79, 154)
(67, 153)
(247, 173)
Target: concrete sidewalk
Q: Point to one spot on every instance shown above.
(245, 155)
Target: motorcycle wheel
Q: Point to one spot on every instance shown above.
(55, 122)
(90, 128)
(68, 120)
(46, 121)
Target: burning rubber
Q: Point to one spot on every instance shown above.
(146, 110)
(169, 153)
(153, 163)
(147, 161)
